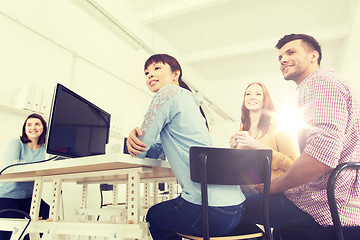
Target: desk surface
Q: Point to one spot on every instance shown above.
(108, 163)
(94, 169)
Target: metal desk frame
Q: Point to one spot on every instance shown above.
(115, 168)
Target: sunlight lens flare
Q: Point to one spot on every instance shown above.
(291, 120)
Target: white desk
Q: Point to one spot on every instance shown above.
(95, 169)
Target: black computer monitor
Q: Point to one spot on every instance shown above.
(77, 128)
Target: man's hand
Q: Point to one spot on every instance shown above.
(134, 145)
(259, 188)
(305, 169)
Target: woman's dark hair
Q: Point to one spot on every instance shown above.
(174, 66)
(24, 138)
(311, 42)
(268, 108)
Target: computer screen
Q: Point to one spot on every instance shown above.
(77, 128)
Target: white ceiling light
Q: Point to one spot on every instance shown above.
(92, 8)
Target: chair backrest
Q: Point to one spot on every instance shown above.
(230, 166)
(331, 195)
(225, 166)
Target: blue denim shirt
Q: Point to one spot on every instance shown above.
(19, 152)
(174, 114)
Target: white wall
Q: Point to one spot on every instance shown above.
(42, 45)
(48, 42)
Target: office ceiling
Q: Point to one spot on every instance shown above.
(227, 43)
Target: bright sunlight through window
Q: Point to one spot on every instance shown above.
(290, 120)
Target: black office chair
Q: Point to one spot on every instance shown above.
(336, 232)
(210, 165)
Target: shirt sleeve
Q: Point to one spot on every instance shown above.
(328, 120)
(13, 152)
(155, 120)
(155, 150)
(286, 153)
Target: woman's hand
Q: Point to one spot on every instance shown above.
(245, 141)
(134, 145)
(232, 141)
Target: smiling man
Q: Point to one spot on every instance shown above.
(332, 116)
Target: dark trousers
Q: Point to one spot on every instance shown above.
(20, 204)
(180, 216)
(282, 212)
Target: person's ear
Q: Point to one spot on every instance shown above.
(314, 56)
(176, 75)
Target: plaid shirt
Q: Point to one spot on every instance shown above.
(332, 113)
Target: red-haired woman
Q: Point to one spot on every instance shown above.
(259, 130)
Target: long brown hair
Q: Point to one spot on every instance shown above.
(174, 66)
(24, 138)
(268, 108)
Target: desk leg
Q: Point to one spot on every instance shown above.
(133, 197)
(36, 200)
(83, 206)
(84, 196)
(35, 205)
(127, 196)
(55, 199)
(171, 190)
(115, 201)
(115, 195)
(146, 195)
(54, 207)
(156, 193)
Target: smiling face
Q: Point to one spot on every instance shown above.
(297, 60)
(33, 129)
(254, 98)
(160, 74)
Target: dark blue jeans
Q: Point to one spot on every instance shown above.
(180, 216)
(282, 212)
(20, 204)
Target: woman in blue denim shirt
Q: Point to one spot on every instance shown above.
(29, 148)
(175, 116)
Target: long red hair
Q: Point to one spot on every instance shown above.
(268, 109)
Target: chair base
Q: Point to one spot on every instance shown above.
(249, 236)
(314, 233)
(242, 231)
